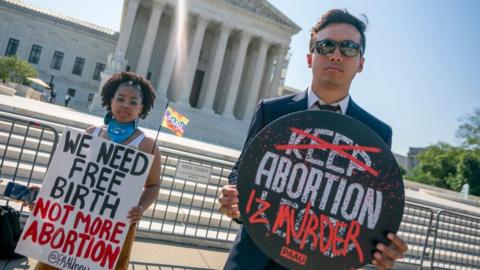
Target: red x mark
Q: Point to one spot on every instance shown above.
(340, 149)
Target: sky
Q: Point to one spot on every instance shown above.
(421, 73)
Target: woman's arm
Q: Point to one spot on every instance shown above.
(152, 184)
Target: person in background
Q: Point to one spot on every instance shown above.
(53, 95)
(67, 99)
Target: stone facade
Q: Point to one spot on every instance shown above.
(233, 53)
(54, 32)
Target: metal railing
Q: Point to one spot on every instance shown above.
(456, 243)
(415, 230)
(186, 211)
(26, 149)
(188, 208)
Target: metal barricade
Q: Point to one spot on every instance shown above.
(456, 242)
(154, 266)
(415, 230)
(26, 149)
(189, 209)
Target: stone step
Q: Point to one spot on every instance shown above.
(32, 129)
(455, 236)
(446, 259)
(189, 215)
(11, 168)
(175, 197)
(165, 146)
(25, 142)
(25, 155)
(413, 228)
(472, 247)
(194, 231)
(213, 190)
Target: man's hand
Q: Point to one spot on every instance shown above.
(229, 201)
(385, 257)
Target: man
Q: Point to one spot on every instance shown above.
(53, 95)
(335, 56)
(67, 99)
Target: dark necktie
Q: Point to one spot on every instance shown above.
(330, 108)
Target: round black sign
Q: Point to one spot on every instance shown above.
(319, 190)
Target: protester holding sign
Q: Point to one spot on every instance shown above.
(127, 97)
(336, 50)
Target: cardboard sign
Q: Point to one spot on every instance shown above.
(80, 217)
(318, 190)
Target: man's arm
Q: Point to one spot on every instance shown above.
(229, 198)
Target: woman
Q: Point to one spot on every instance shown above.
(128, 97)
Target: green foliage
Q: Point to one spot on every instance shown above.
(418, 176)
(447, 166)
(16, 70)
(436, 164)
(469, 131)
(468, 172)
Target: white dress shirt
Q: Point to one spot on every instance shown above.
(312, 98)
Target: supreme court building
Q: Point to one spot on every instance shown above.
(213, 60)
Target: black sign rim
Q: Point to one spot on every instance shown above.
(353, 123)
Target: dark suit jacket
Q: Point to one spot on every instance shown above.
(244, 254)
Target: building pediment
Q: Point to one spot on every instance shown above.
(265, 9)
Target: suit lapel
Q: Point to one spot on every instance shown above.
(352, 109)
(299, 102)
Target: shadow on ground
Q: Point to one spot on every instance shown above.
(154, 266)
(25, 264)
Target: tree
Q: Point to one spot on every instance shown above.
(469, 131)
(16, 70)
(448, 166)
(437, 163)
(468, 172)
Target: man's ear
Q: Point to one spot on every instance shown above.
(309, 59)
(360, 64)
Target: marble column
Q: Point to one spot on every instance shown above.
(192, 61)
(127, 26)
(282, 53)
(239, 61)
(150, 37)
(215, 68)
(267, 77)
(169, 61)
(257, 79)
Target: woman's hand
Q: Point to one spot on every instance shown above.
(135, 214)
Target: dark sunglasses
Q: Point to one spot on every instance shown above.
(347, 47)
